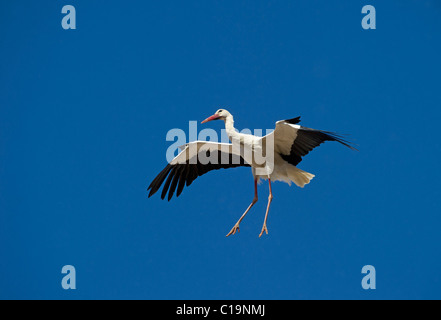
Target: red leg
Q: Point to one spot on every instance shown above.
(270, 198)
(236, 226)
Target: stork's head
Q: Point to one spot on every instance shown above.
(220, 114)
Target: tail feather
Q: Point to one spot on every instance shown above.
(299, 177)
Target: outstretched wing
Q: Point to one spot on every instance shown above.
(292, 141)
(196, 159)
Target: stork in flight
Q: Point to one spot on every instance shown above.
(287, 144)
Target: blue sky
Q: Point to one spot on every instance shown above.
(84, 114)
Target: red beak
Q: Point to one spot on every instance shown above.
(213, 117)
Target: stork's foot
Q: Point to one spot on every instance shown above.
(264, 229)
(234, 230)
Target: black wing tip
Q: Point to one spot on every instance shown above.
(171, 175)
(151, 193)
(339, 138)
(351, 146)
(293, 120)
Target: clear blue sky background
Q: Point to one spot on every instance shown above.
(83, 119)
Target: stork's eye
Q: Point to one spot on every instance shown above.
(220, 111)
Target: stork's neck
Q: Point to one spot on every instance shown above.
(229, 127)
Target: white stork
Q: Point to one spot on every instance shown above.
(289, 143)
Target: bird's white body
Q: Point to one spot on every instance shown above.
(276, 168)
